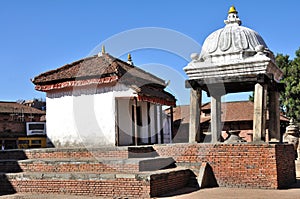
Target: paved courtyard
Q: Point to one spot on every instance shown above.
(214, 193)
(217, 193)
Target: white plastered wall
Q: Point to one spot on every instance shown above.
(83, 117)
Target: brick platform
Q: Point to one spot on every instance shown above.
(269, 166)
(144, 172)
(143, 185)
(106, 172)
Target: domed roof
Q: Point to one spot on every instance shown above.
(232, 51)
(232, 39)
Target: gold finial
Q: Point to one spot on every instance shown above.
(232, 10)
(129, 60)
(232, 17)
(129, 57)
(103, 49)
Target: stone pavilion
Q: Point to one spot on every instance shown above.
(235, 59)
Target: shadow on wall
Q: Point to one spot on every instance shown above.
(9, 164)
(6, 187)
(181, 132)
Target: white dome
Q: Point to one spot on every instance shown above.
(232, 39)
(232, 51)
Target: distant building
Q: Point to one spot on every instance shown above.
(235, 116)
(102, 100)
(36, 103)
(13, 118)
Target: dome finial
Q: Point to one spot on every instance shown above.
(232, 10)
(233, 17)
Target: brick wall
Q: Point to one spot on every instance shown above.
(167, 182)
(12, 127)
(104, 185)
(285, 167)
(114, 188)
(238, 165)
(108, 152)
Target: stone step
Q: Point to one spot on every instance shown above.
(71, 153)
(87, 165)
(141, 152)
(113, 185)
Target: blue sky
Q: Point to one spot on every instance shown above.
(39, 35)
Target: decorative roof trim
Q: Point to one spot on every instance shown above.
(75, 83)
(156, 100)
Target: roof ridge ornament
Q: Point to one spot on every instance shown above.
(129, 60)
(232, 17)
(102, 51)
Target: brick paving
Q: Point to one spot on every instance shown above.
(215, 193)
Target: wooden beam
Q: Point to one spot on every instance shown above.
(117, 129)
(136, 133)
(148, 122)
(155, 124)
(161, 125)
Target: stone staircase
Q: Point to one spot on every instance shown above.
(113, 172)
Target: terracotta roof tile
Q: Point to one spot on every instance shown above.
(231, 111)
(12, 107)
(97, 67)
(93, 69)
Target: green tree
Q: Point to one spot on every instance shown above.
(251, 97)
(290, 97)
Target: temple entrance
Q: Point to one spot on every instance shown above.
(141, 123)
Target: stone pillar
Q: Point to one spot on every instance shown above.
(216, 124)
(274, 117)
(195, 108)
(259, 116)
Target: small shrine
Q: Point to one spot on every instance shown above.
(235, 59)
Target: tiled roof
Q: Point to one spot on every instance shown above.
(237, 111)
(106, 69)
(182, 114)
(231, 111)
(13, 107)
(97, 67)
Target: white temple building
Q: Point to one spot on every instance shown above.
(101, 100)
